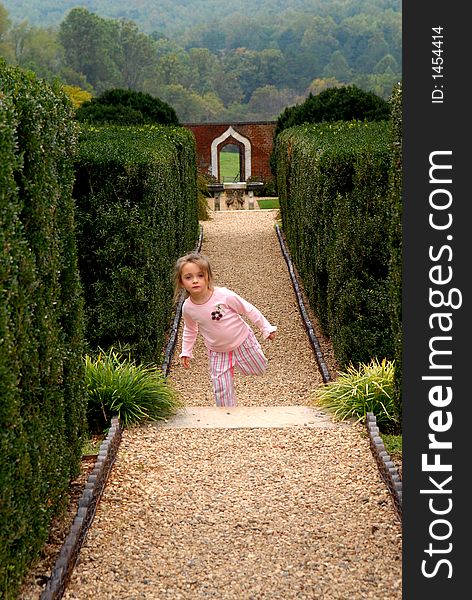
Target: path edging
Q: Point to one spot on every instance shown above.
(96, 481)
(387, 469)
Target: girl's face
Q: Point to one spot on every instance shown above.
(194, 280)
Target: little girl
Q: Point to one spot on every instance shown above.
(215, 312)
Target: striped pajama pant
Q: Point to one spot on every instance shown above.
(248, 359)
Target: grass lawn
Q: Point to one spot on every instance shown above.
(267, 203)
(229, 166)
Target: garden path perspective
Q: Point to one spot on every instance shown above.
(268, 500)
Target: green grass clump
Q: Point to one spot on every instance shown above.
(358, 391)
(134, 392)
(92, 445)
(393, 445)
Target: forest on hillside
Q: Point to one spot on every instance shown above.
(170, 17)
(209, 59)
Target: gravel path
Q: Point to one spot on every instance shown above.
(245, 256)
(245, 514)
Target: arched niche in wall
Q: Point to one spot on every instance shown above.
(246, 162)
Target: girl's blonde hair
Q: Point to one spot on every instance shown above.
(198, 259)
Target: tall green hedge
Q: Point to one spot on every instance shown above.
(42, 408)
(333, 182)
(136, 192)
(395, 238)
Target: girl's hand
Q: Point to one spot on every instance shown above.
(271, 335)
(185, 360)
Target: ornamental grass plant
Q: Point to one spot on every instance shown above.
(117, 385)
(360, 390)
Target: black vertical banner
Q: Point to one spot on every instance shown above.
(437, 252)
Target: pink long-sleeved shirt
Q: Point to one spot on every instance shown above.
(225, 333)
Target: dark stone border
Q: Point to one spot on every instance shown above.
(305, 318)
(387, 469)
(96, 481)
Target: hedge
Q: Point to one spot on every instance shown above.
(137, 211)
(42, 412)
(333, 183)
(395, 239)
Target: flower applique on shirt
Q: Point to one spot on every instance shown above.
(217, 313)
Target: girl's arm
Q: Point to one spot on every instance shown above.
(243, 307)
(189, 335)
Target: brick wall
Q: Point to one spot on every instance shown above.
(260, 135)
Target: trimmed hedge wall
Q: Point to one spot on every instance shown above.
(42, 410)
(395, 239)
(333, 181)
(137, 211)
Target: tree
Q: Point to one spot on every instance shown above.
(387, 64)
(268, 101)
(358, 43)
(38, 50)
(272, 67)
(381, 84)
(4, 21)
(377, 48)
(187, 104)
(91, 47)
(242, 31)
(138, 55)
(190, 106)
(320, 40)
(172, 65)
(338, 67)
(245, 64)
(365, 39)
(73, 78)
(335, 104)
(203, 65)
(126, 107)
(226, 85)
(4, 27)
(77, 95)
(320, 84)
(301, 62)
